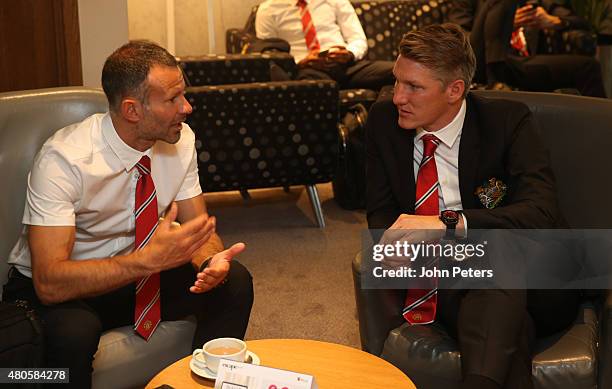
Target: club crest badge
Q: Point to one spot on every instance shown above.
(491, 193)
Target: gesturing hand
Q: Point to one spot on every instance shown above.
(173, 245)
(217, 269)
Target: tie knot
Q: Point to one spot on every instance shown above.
(301, 3)
(144, 165)
(430, 143)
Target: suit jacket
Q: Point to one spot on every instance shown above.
(498, 140)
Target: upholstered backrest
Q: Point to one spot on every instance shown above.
(577, 130)
(385, 22)
(27, 119)
(265, 134)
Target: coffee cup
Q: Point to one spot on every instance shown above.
(215, 350)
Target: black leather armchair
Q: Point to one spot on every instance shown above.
(578, 132)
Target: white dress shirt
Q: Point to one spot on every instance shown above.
(335, 22)
(447, 161)
(84, 176)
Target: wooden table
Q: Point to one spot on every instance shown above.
(334, 366)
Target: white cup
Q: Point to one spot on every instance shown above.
(204, 358)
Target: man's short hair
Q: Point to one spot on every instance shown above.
(126, 69)
(444, 49)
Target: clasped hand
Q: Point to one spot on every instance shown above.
(335, 56)
(538, 18)
(411, 229)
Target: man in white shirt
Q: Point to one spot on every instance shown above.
(76, 260)
(341, 46)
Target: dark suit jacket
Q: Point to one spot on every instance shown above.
(498, 140)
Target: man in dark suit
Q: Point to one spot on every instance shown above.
(493, 24)
(434, 133)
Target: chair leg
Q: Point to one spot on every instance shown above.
(245, 194)
(316, 204)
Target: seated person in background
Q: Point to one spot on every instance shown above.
(506, 38)
(428, 150)
(94, 254)
(326, 39)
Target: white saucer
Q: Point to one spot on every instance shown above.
(208, 374)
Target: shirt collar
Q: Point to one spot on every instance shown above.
(126, 154)
(449, 133)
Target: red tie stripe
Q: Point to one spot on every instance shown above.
(310, 33)
(420, 303)
(519, 42)
(147, 312)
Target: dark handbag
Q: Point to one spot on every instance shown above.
(21, 336)
(349, 183)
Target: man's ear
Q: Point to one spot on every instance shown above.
(455, 90)
(131, 109)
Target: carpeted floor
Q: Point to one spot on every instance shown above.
(302, 274)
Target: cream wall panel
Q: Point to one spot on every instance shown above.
(103, 27)
(147, 20)
(191, 27)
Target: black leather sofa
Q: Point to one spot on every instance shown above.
(578, 133)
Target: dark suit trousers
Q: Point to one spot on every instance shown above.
(496, 329)
(361, 74)
(545, 73)
(72, 329)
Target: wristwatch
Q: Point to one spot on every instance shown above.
(450, 218)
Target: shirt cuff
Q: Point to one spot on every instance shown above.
(463, 235)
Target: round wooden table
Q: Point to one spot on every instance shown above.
(334, 366)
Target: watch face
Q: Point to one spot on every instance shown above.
(449, 216)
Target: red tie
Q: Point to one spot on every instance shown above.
(310, 34)
(147, 311)
(519, 42)
(420, 304)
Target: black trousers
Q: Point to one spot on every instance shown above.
(361, 74)
(496, 329)
(545, 73)
(490, 37)
(72, 329)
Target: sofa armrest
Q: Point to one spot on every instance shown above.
(379, 311)
(605, 343)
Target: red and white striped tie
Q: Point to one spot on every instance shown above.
(310, 34)
(420, 303)
(147, 312)
(519, 42)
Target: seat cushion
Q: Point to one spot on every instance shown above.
(125, 360)
(430, 357)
